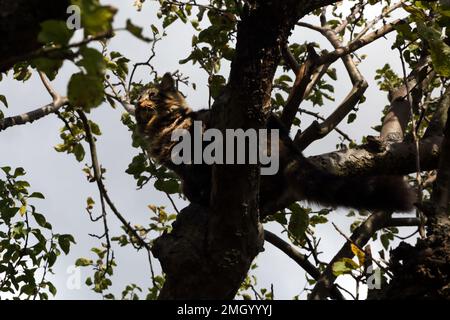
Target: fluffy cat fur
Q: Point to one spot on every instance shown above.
(162, 109)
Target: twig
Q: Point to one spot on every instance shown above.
(29, 117)
(299, 258)
(417, 146)
(48, 51)
(103, 191)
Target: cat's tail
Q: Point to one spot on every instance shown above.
(390, 193)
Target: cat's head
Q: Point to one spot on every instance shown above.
(159, 100)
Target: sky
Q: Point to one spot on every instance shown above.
(59, 177)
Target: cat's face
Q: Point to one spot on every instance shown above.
(159, 101)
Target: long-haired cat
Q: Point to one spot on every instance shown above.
(163, 109)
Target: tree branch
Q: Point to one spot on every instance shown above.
(300, 259)
(29, 117)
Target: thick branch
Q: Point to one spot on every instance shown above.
(396, 159)
(441, 190)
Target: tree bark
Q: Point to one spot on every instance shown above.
(20, 25)
(210, 257)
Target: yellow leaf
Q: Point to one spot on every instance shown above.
(359, 254)
(23, 210)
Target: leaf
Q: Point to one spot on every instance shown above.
(95, 19)
(83, 262)
(23, 210)
(36, 195)
(299, 221)
(89, 281)
(385, 241)
(440, 51)
(79, 152)
(359, 254)
(22, 71)
(64, 242)
(136, 31)
(216, 85)
(344, 266)
(51, 288)
(41, 221)
(49, 66)
(55, 31)
(351, 117)
(3, 100)
(92, 61)
(85, 91)
(169, 186)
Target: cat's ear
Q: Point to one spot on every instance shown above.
(167, 83)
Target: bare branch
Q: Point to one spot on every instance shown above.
(55, 96)
(34, 115)
(357, 44)
(316, 130)
(303, 78)
(299, 258)
(383, 15)
(29, 117)
(55, 51)
(104, 194)
(360, 237)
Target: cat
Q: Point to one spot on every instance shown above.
(162, 109)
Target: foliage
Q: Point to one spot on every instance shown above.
(28, 246)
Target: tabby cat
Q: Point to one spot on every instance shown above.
(162, 109)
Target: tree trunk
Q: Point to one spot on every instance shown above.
(20, 24)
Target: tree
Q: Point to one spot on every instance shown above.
(207, 251)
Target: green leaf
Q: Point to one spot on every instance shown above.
(41, 221)
(216, 85)
(55, 31)
(85, 91)
(64, 242)
(97, 19)
(19, 172)
(79, 152)
(51, 288)
(22, 71)
(83, 262)
(3, 100)
(92, 61)
(385, 241)
(49, 66)
(351, 117)
(136, 31)
(169, 186)
(298, 222)
(440, 51)
(36, 195)
(344, 266)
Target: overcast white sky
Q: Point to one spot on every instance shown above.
(59, 176)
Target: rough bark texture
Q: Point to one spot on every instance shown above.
(212, 257)
(210, 250)
(423, 271)
(20, 24)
